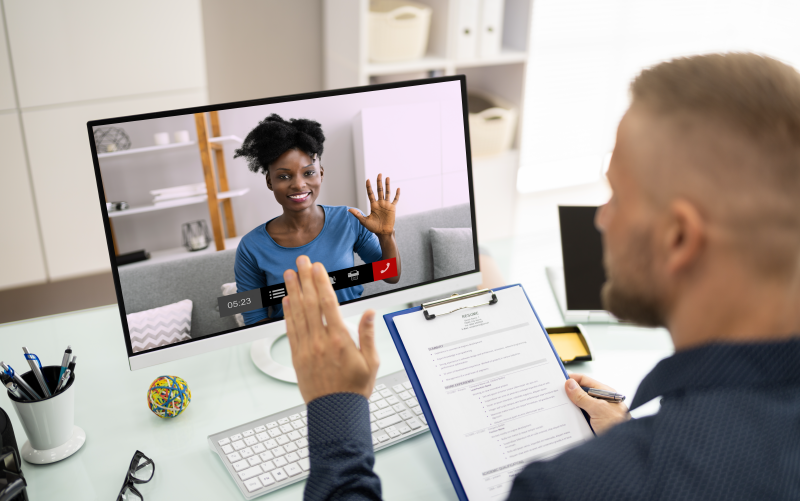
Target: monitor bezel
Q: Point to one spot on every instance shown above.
(250, 333)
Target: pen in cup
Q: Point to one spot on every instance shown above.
(36, 371)
(71, 365)
(63, 381)
(604, 395)
(14, 390)
(20, 382)
(65, 360)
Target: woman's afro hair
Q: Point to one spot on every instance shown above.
(273, 136)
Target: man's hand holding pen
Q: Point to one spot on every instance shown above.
(604, 414)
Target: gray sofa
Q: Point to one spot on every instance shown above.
(199, 277)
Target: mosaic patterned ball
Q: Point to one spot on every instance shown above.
(168, 396)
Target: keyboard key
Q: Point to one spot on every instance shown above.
(286, 428)
(266, 456)
(372, 417)
(304, 464)
(403, 428)
(282, 440)
(252, 484)
(262, 436)
(267, 466)
(224, 441)
(380, 387)
(292, 457)
(241, 465)
(260, 429)
(375, 396)
(278, 451)
(274, 432)
(412, 393)
(254, 460)
(398, 407)
(382, 404)
(374, 427)
(397, 388)
(272, 425)
(278, 474)
(383, 423)
(280, 462)
(295, 435)
(297, 424)
(248, 433)
(374, 407)
(414, 423)
(407, 385)
(234, 456)
(246, 452)
(227, 449)
(412, 402)
(283, 420)
(424, 421)
(304, 413)
(386, 393)
(294, 416)
(271, 444)
(383, 437)
(238, 436)
(374, 440)
(303, 453)
(406, 414)
(304, 431)
(290, 447)
(305, 421)
(301, 443)
(381, 413)
(259, 448)
(238, 445)
(417, 410)
(292, 469)
(392, 431)
(392, 400)
(250, 472)
(251, 440)
(266, 479)
(404, 395)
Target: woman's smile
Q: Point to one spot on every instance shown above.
(299, 197)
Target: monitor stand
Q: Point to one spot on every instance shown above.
(261, 355)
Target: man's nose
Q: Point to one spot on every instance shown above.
(600, 217)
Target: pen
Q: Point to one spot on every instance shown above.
(63, 382)
(65, 360)
(604, 395)
(20, 382)
(36, 371)
(71, 366)
(12, 388)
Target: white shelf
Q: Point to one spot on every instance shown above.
(426, 63)
(174, 254)
(178, 203)
(506, 56)
(145, 149)
(222, 139)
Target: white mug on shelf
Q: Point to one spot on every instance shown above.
(161, 138)
(181, 136)
(49, 423)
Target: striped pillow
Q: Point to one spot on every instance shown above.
(160, 326)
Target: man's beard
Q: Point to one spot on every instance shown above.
(631, 295)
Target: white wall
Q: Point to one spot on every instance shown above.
(73, 62)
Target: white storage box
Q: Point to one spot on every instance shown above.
(492, 123)
(398, 30)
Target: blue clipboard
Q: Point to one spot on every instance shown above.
(423, 400)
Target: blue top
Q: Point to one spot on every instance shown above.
(260, 261)
(728, 428)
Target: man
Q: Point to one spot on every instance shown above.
(701, 235)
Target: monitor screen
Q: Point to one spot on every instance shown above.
(205, 208)
(582, 251)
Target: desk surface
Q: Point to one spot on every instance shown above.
(228, 390)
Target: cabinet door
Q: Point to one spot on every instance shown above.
(21, 249)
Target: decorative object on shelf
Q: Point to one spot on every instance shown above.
(168, 396)
(111, 139)
(492, 123)
(161, 138)
(181, 136)
(132, 257)
(398, 30)
(116, 206)
(195, 235)
(183, 191)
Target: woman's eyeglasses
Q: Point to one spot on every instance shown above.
(140, 471)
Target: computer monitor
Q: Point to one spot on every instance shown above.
(205, 208)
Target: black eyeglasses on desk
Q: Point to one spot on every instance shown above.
(140, 471)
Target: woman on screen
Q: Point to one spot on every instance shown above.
(288, 153)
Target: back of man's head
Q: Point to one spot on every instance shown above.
(735, 122)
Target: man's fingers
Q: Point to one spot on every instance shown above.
(329, 303)
(370, 194)
(366, 339)
(311, 310)
(396, 197)
(291, 332)
(580, 397)
(583, 380)
(357, 214)
(298, 320)
(380, 187)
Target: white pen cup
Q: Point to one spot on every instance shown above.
(161, 138)
(49, 423)
(181, 136)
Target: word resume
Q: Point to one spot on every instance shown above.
(495, 387)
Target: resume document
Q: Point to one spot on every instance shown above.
(495, 387)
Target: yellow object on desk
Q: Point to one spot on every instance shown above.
(569, 343)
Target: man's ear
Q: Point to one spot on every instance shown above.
(269, 181)
(686, 236)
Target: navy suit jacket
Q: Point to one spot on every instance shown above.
(728, 428)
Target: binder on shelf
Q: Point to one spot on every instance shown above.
(490, 35)
(466, 33)
(457, 297)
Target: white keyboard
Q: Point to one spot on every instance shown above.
(272, 452)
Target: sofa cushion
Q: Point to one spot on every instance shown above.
(160, 326)
(449, 247)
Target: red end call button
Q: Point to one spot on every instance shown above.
(381, 270)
